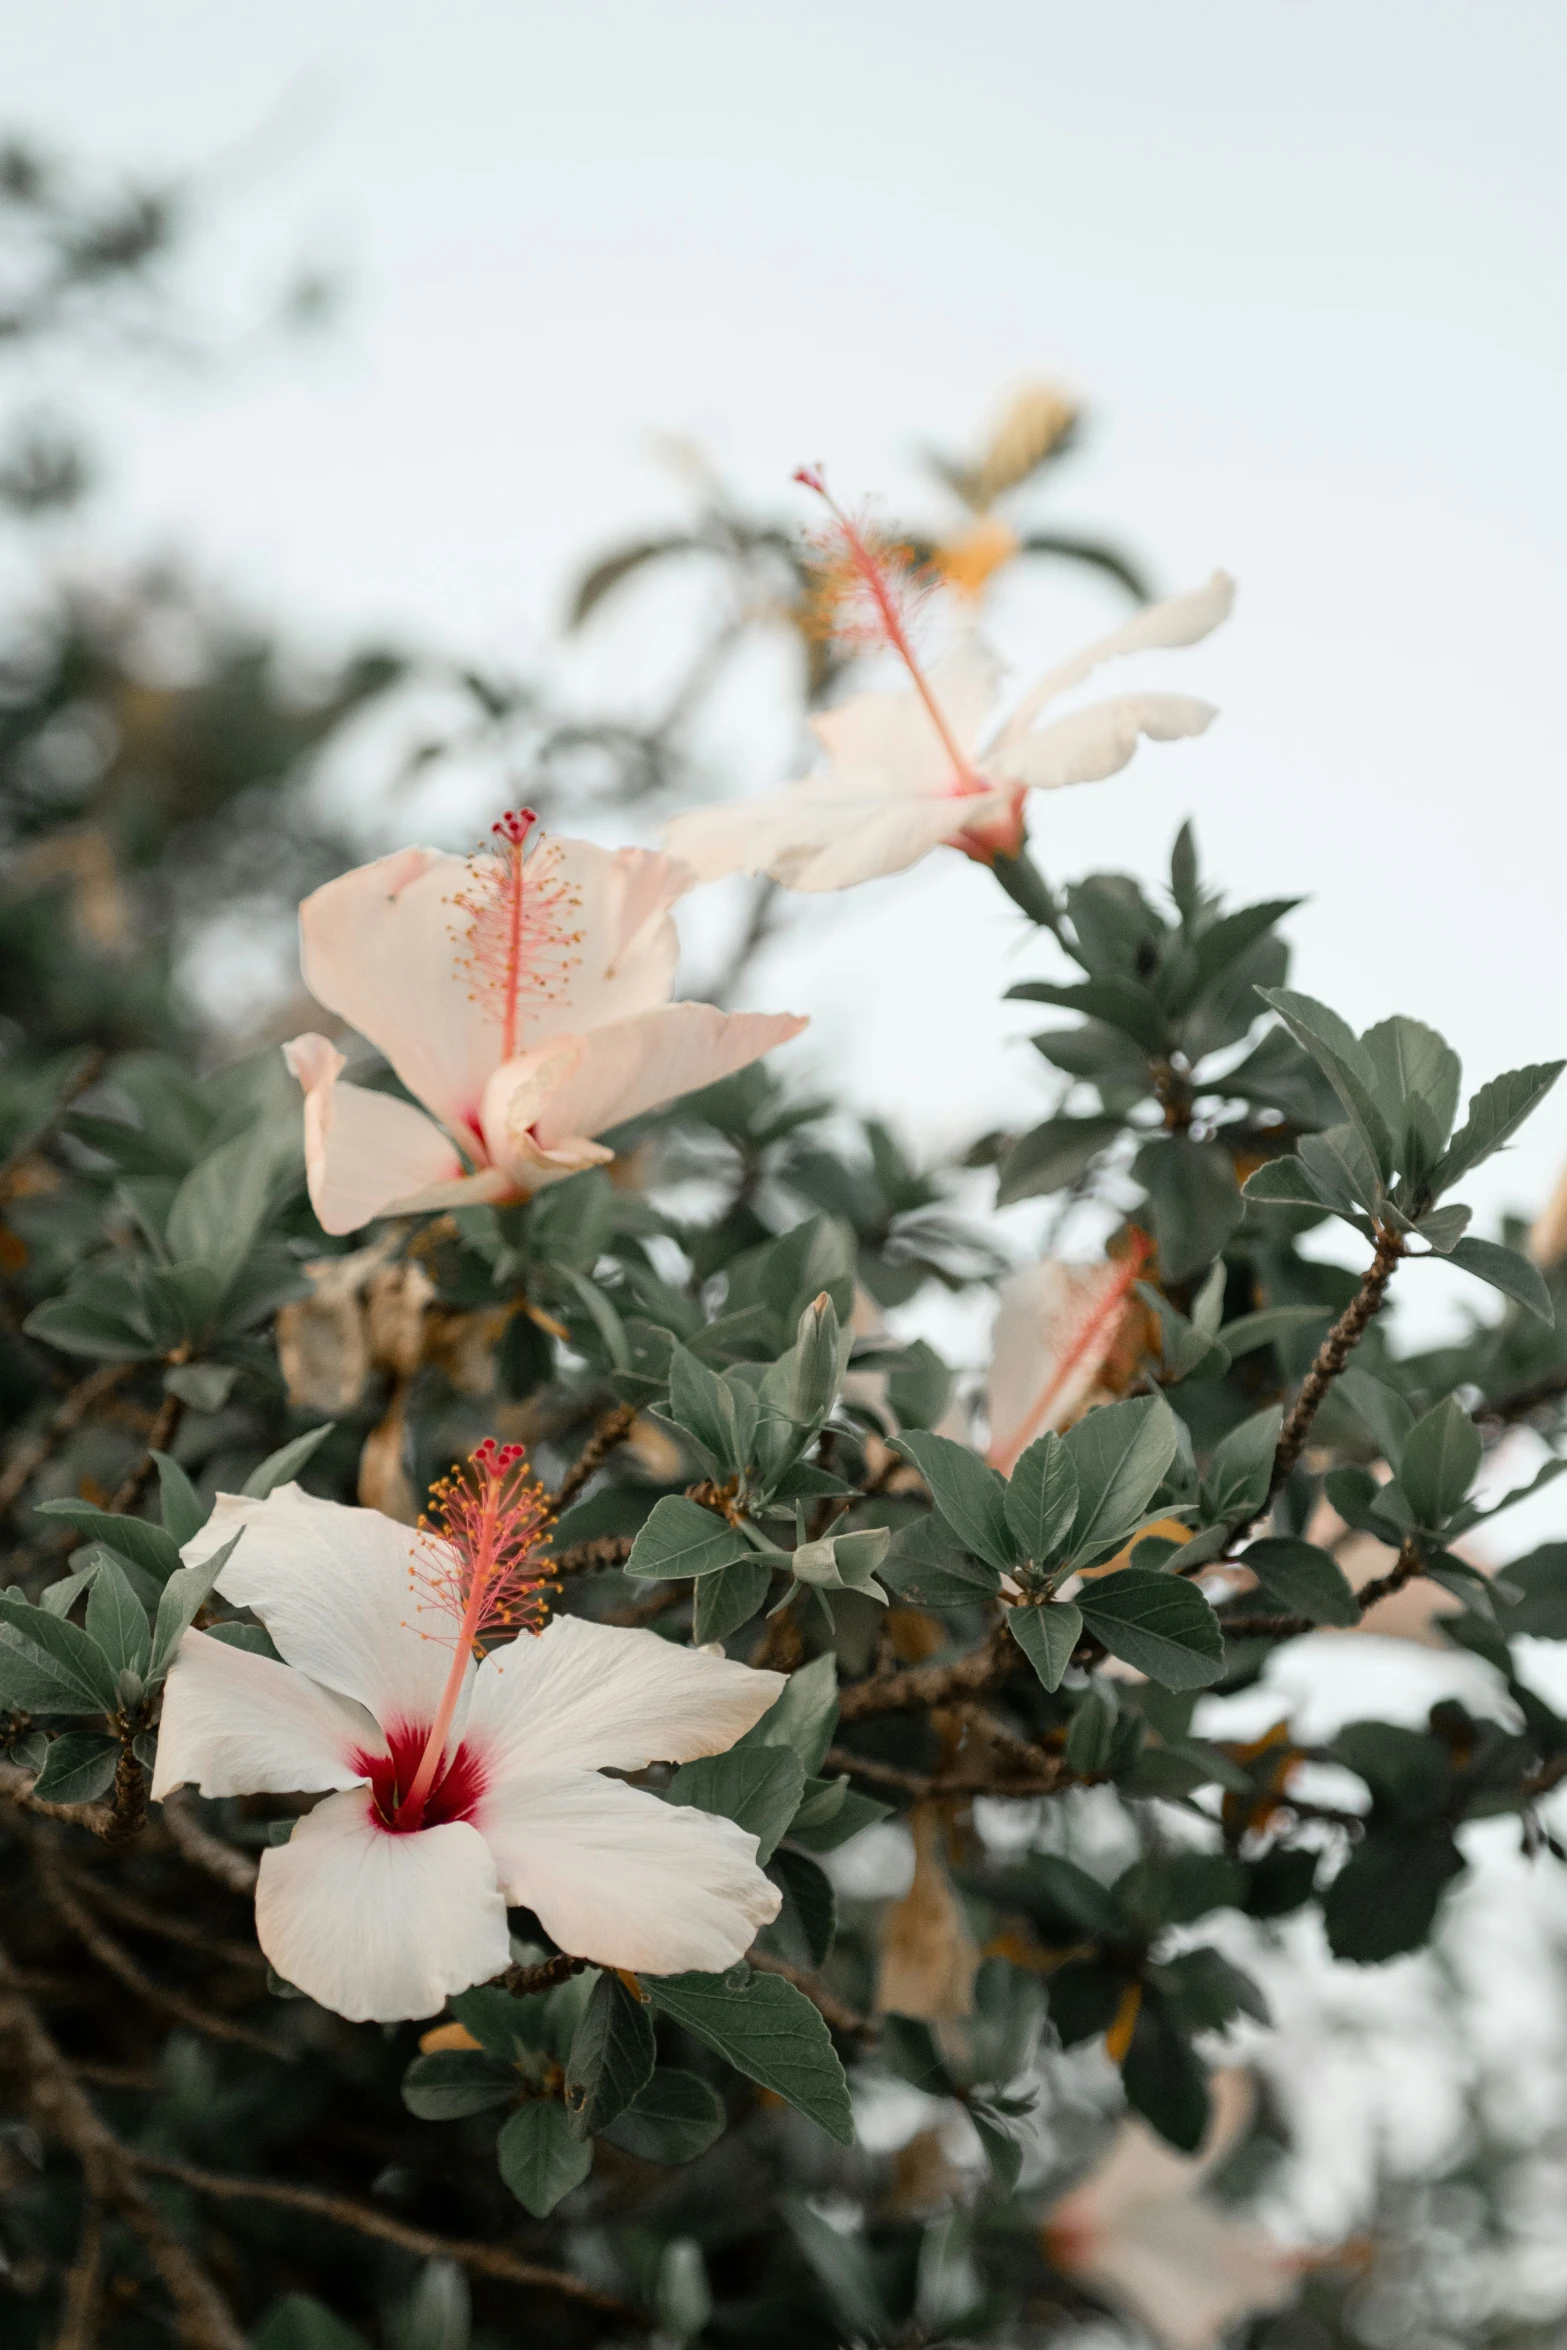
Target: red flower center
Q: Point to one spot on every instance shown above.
(454, 1794)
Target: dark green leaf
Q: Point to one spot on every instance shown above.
(50, 1666)
(1165, 2081)
(1196, 1202)
(1439, 1462)
(1242, 1468)
(767, 2030)
(969, 1494)
(1495, 1113)
(1041, 1498)
(674, 2118)
(282, 1466)
(539, 2158)
(1047, 1636)
(757, 1786)
(1282, 1183)
(803, 1717)
(299, 2322)
(1052, 1156)
(80, 1767)
(682, 1538)
(183, 1511)
(1343, 1060)
(1120, 1003)
(116, 1619)
(613, 2052)
(1507, 1271)
(1120, 1453)
(135, 1538)
(724, 1601)
(1302, 1580)
(1159, 1624)
(1268, 1326)
(809, 1902)
(452, 2082)
(1384, 1899)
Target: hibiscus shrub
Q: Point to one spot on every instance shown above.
(503, 1599)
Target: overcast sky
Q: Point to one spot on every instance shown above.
(1305, 262)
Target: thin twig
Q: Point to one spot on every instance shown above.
(1046, 1778)
(934, 1684)
(31, 1454)
(609, 1550)
(833, 2011)
(103, 1947)
(203, 1850)
(1409, 1564)
(1333, 1354)
(61, 2109)
(523, 1980)
(147, 1920)
(486, 2260)
(83, 2286)
(611, 1431)
(160, 1436)
(16, 1785)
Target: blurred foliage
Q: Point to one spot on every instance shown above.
(696, 1347)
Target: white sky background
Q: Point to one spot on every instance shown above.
(1305, 263)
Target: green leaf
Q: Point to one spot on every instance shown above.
(809, 1903)
(1120, 1453)
(1090, 1737)
(674, 2118)
(1343, 1060)
(832, 1813)
(703, 1405)
(299, 2322)
(820, 1356)
(767, 2030)
(1507, 1271)
(183, 1513)
(1041, 1499)
(184, 1595)
(222, 1204)
(80, 1767)
(682, 1538)
(1343, 1170)
(969, 1494)
(759, 1787)
(135, 1538)
(1165, 2082)
(725, 1601)
(843, 2268)
(102, 1313)
(1242, 1467)
(927, 1565)
(1120, 1003)
(50, 1666)
(1158, 1623)
(1052, 1156)
(1282, 1183)
(1223, 943)
(451, 2083)
(803, 1717)
(539, 2158)
(1196, 1202)
(116, 1619)
(1302, 1580)
(613, 2052)
(1269, 1325)
(280, 1467)
(1384, 1899)
(1495, 1113)
(1440, 1461)
(1047, 1636)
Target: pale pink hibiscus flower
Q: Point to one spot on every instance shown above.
(456, 1782)
(1141, 2230)
(522, 995)
(910, 770)
(1056, 1327)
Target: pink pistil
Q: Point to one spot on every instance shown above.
(486, 1568)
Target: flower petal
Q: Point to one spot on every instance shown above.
(237, 1724)
(583, 1696)
(614, 1875)
(375, 1926)
(629, 947)
(616, 1073)
(1178, 620)
(334, 1588)
(368, 1154)
(1093, 743)
(1055, 1327)
(887, 742)
(382, 947)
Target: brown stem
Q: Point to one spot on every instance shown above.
(1049, 1777)
(611, 1431)
(16, 1785)
(203, 1850)
(31, 1454)
(485, 2260)
(833, 2011)
(935, 1684)
(609, 1550)
(61, 2109)
(128, 1805)
(119, 1963)
(159, 1437)
(83, 2286)
(521, 1980)
(1333, 1354)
